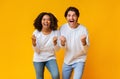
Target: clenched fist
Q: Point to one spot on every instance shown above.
(33, 40)
(55, 40)
(63, 40)
(83, 40)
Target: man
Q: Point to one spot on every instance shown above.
(74, 38)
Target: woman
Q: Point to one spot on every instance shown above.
(44, 41)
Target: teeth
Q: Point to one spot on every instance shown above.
(71, 21)
(46, 24)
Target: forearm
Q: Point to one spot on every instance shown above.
(82, 52)
(85, 49)
(36, 49)
(56, 47)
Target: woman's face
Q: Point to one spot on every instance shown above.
(46, 22)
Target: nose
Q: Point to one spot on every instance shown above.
(46, 21)
(71, 17)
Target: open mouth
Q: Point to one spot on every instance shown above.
(71, 21)
(46, 24)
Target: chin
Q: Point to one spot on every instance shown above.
(71, 24)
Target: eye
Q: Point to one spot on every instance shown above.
(43, 19)
(74, 15)
(68, 15)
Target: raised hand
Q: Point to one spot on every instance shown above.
(33, 40)
(55, 40)
(83, 40)
(63, 40)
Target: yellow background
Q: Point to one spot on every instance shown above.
(101, 17)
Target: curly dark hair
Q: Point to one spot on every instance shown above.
(72, 9)
(53, 21)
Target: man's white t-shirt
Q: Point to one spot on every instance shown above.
(73, 43)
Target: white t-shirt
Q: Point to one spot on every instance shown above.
(44, 43)
(73, 43)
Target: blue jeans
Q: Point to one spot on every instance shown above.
(51, 66)
(78, 70)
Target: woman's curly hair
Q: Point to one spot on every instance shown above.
(53, 21)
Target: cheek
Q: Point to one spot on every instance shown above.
(41, 22)
(75, 18)
(49, 22)
(67, 18)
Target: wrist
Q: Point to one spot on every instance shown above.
(84, 44)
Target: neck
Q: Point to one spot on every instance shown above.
(75, 26)
(46, 31)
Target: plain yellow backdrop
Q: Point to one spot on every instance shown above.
(101, 17)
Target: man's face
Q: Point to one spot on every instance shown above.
(72, 19)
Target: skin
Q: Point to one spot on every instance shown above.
(63, 40)
(46, 25)
(72, 19)
(33, 40)
(55, 40)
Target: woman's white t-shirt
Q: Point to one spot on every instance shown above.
(44, 43)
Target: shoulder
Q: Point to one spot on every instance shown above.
(64, 26)
(36, 32)
(56, 32)
(82, 27)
